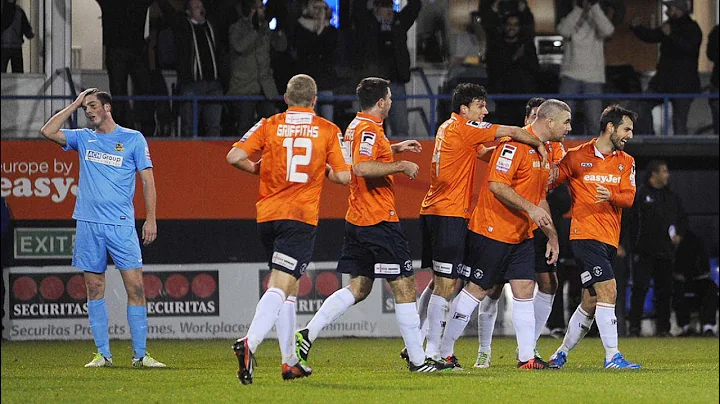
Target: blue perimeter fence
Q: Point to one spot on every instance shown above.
(431, 125)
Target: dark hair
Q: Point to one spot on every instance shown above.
(652, 167)
(533, 103)
(371, 90)
(510, 15)
(465, 93)
(102, 96)
(383, 3)
(615, 113)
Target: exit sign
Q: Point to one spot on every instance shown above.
(44, 243)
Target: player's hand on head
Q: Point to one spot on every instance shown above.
(149, 232)
(603, 194)
(410, 169)
(79, 100)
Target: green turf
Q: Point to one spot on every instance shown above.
(359, 371)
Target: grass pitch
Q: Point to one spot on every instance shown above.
(359, 371)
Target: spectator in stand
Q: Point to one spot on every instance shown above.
(251, 73)
(123, 23)
(315, 44)
(677, 69)
(383, 52)
(15, 26)
(433, 31)
(197, 64)
(492, 13)
(512, 65)
(583, 67)
(693, 287)
(713, 53)
(285, 13)
(657, 224)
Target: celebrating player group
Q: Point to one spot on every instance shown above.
(508, 237)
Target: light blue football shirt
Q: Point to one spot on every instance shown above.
(108, 165)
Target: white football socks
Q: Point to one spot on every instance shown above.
(266, 313)
(461, 309)
(285, 326)
(409, 322)
(332, 308)
(579, 325)
(524, 322)
(543, 306)
(487, 314)
(607, 325)
(423, 303)
(436, 314)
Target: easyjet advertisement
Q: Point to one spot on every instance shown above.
(193, 181)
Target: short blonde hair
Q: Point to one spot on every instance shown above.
(301, 89)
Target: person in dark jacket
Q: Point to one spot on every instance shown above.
(713, 53)
(123, 23)
(383, 51)
(512, 65)
(15, 26)
(198, 64)
(677, 70)
(693, 286)
(657, 224)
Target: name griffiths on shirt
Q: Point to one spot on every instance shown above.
(17, 180)
(298, 131)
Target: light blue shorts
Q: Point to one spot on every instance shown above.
(93, 242)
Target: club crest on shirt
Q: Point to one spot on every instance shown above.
(119, 147)
(621, 167)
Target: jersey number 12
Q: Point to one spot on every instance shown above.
(295, 160)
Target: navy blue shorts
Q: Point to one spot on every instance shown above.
(288, 245)
(377, 251)
(541, 264)
(489, 262)
(443, 243)
(594, 259)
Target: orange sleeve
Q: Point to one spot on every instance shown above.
(625, 198)
(477, 133)
(334, 153)
(254, 139)
(365, 144)
(504, 162)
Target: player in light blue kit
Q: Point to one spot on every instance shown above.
(105, 215)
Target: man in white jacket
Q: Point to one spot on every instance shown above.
(583, 68)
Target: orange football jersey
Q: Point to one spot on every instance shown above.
(296, 145)
(584, 167)
(371, 200)
(519, 166)
(452, 170)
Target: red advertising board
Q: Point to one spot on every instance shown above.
(193, 181)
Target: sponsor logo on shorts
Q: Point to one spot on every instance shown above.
(442, 267)
(387, 269)
(408, 266)
(464, 270)
(103, 158)
(478, 273)
(597, 270)
(284, 261)
(585, 277)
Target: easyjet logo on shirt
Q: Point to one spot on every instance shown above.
(602, 179)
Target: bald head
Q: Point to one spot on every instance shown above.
(553, 120)
(301, 90)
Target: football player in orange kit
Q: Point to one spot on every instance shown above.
(299, 149)
(446, 207)
(499, 243)
(375, 245)
(601, 178)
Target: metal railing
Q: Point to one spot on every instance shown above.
(433, 98)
